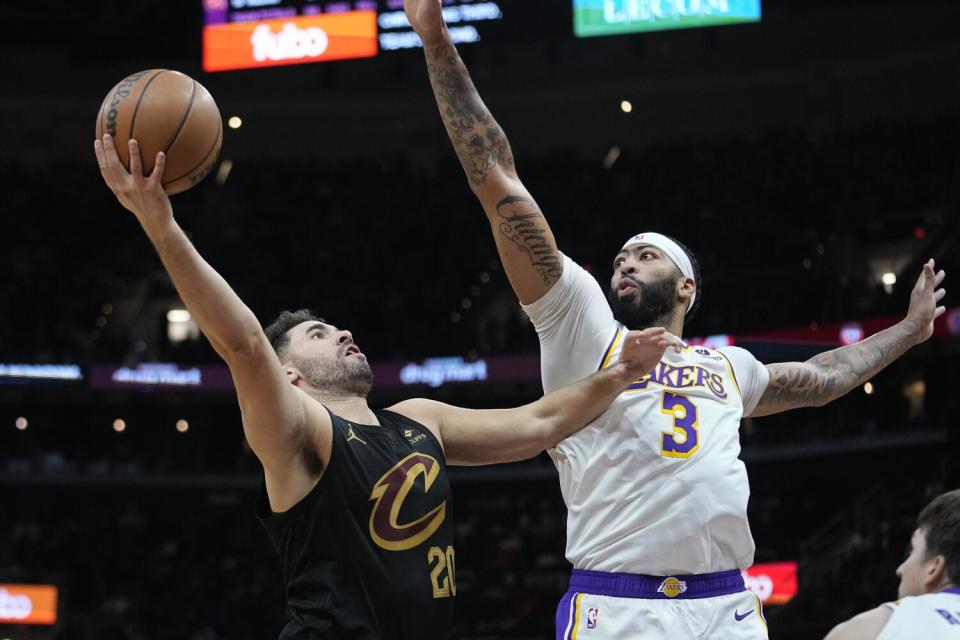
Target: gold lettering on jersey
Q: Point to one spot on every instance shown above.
(388, 495)
(688, 376)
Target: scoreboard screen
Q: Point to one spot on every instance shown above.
(246, 34)
(615, 17)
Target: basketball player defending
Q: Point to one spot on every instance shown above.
(929, 592)
(356, 501)
(656, 496)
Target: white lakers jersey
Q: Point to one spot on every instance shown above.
(934, 616)
(654, 485)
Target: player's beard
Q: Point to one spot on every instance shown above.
(340, 376)
(649, 306)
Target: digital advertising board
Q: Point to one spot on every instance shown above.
(617, 17)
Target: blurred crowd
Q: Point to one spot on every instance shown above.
(402, 254)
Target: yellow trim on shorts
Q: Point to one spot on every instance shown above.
(760, 615)
(576, 617)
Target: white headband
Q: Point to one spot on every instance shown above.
(673, 251)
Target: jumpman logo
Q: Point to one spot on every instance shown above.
(353, 436)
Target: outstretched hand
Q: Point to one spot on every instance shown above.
(642, 350)
(924, 302)
(140, 194)
(425, 16)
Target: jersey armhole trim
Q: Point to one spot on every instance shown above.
(269, 515)
(733, 376)
(605, 360)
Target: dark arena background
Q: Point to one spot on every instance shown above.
(809, 156)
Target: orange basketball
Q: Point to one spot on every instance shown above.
(164, 111)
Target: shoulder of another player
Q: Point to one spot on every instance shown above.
(864, 626)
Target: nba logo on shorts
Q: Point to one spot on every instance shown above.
(592, 615)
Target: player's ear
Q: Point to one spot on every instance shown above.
(293, 375)
(686, 287)
(936, 573)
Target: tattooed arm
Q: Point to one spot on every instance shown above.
(524, 239)
(832, 374)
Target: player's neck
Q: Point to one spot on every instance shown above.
(350, 408)
(672, 322)
(675, 326)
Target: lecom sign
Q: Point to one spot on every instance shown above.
(294, 40)
(28, 604)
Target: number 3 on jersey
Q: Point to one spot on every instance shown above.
(685, 439)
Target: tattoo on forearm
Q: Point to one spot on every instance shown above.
(478, 140)
(832, 374)
(521, 222)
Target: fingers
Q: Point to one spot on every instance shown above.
(158, 167)
(940, 276)
(98, 151)
(110, 151)
(938, 296)
(136, 167)
(939, 312)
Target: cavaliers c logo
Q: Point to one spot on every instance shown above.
(389, 493)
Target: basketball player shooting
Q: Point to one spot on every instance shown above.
(355, 500)
(929, 592)
(657, 527)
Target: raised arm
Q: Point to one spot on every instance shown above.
(523, 237)
(489, 436)
(274, 411)
(832, 374)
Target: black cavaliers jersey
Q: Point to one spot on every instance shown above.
(368, 553)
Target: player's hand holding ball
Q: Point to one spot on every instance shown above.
(142, 195)
(642, 350)
(924, 302)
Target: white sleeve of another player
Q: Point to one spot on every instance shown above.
(752, 376)
(574, 322)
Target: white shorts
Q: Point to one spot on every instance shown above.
(611, 606)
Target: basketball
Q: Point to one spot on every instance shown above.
(165, 111)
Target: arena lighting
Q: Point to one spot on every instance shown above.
(21, 423)
(41, 371)
(180, 325)
(183, 426)
(178, 315)
(611, 158)
(119, 425)
(868, 388)
(234, 122)
(851, 333)
(889, 278)
(626, 106)
(223, 172)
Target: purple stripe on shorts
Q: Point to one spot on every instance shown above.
(564, 613)
(628, 585)
(953, 590)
